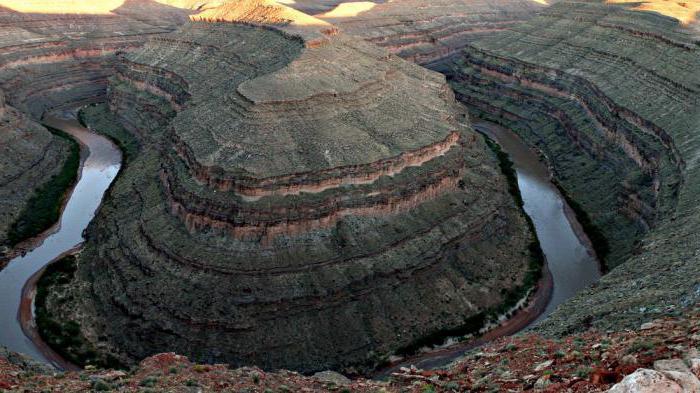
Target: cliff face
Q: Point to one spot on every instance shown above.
(50, 60)
(301, 199)
(62, 58)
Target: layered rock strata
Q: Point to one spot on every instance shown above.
(51, 61)
(609, 95)
(301, 199)
(52, 57)
(427, 31)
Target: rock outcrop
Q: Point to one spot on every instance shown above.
(55, 55)
(583, 83)
(615, 51)
(300, 199)
(658, 356)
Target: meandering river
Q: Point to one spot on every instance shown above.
(100, 165)
(571, 262)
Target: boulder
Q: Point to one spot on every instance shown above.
(646, 381)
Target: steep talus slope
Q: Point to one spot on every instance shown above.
(301, 199)
(612, 98)
(426, 31)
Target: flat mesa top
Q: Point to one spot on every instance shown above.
(264, 105)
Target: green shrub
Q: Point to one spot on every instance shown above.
(427, 388)
(100, 385)
(149, 382)
(44, 207)
(583, 372)
(65, 337)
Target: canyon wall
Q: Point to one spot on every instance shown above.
(61, 60)
(608, 93)
(611, 98)
(29, 156)
(426, 31)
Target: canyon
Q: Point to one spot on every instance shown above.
(277, 206)
(309, 192)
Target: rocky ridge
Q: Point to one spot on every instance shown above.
(427, 31)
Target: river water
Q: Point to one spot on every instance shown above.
(99, 169)
(569, 257)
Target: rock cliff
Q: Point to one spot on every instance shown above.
(585, 84)
(425, 31)
(54, 56)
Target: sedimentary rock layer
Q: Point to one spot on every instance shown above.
(51, 61)
(426, 31)
(301, 199)
(609, 95)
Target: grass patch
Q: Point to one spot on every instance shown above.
(62, 336)
(44, 207)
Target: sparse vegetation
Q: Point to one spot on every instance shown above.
(149, 381)
(65, 337)
(100, 385)
(102, 120)
(640, 345)
(511, 297)
(44, 208)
